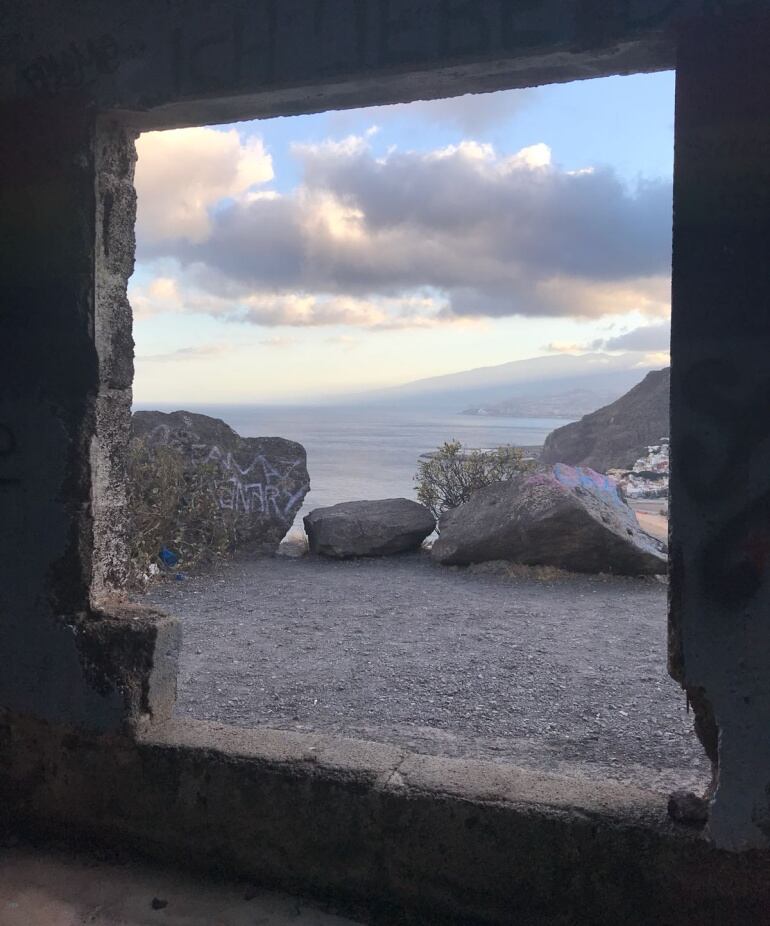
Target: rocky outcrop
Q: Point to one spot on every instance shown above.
(258, 483)
(368, 528)
(571, 518)
(615, 436)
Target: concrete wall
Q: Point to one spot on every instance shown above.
(77, 78)
(158, 56)
(387, 836)
(65, 355)
(720, 391)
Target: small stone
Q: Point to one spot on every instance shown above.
(158, 904)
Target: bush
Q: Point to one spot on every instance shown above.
(171, 506)
(451, 475)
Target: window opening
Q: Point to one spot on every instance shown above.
(370, 287)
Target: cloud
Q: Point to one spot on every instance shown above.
(196, 292)
(653, 338)
(345, 341)
(185, 353)
(656, 359)
(182, 173)
(159, 297)
(279, 342)
(486, 234)
(566, 347)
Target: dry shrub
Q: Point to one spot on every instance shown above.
(173, 506)
(451, 475)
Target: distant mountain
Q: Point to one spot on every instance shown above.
(570, 404)
(537, 377)
(618, 434)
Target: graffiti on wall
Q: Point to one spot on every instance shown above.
(75, 66)
(260, 487)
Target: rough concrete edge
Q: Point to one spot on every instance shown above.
(380, 833)
(401, 771)
(395, 84)
(133, 650)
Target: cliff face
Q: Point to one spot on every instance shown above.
(618, 434)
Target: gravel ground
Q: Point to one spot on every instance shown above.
(540, 669)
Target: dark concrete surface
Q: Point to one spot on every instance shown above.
(59, 888)
(389, 837)
(545, 670)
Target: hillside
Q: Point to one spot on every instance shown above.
(618, 434)
(521, 379)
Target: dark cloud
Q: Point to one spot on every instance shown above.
(494, 236)
(647, 338)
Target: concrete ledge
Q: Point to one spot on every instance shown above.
(385, 834)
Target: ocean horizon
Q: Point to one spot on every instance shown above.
(368, 452)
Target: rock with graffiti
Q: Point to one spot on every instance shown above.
(256, 485)
(570, 517)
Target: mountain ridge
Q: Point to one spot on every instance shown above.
(516, 379)
(618, 434)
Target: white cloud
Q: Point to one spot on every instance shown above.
(186, 353)
(159, 297)
(279, 342)
(180, 174)
(345, 341)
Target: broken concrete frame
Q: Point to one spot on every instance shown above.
(72, 75)
(389, 836)
(71, 651)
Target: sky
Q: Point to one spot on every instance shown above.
(293, 259)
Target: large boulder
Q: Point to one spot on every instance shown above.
(368, 528)
(564, 516)
(258, 483)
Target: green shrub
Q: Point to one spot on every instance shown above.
(451, 475)
(175, 507)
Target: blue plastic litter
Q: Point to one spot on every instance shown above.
(168, 557)
(179, 576)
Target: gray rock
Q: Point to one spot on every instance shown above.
(563, 516)
(368, 528)
(258, 482)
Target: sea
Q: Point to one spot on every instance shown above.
(370, 452)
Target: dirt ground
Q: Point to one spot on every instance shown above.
(544, 670)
